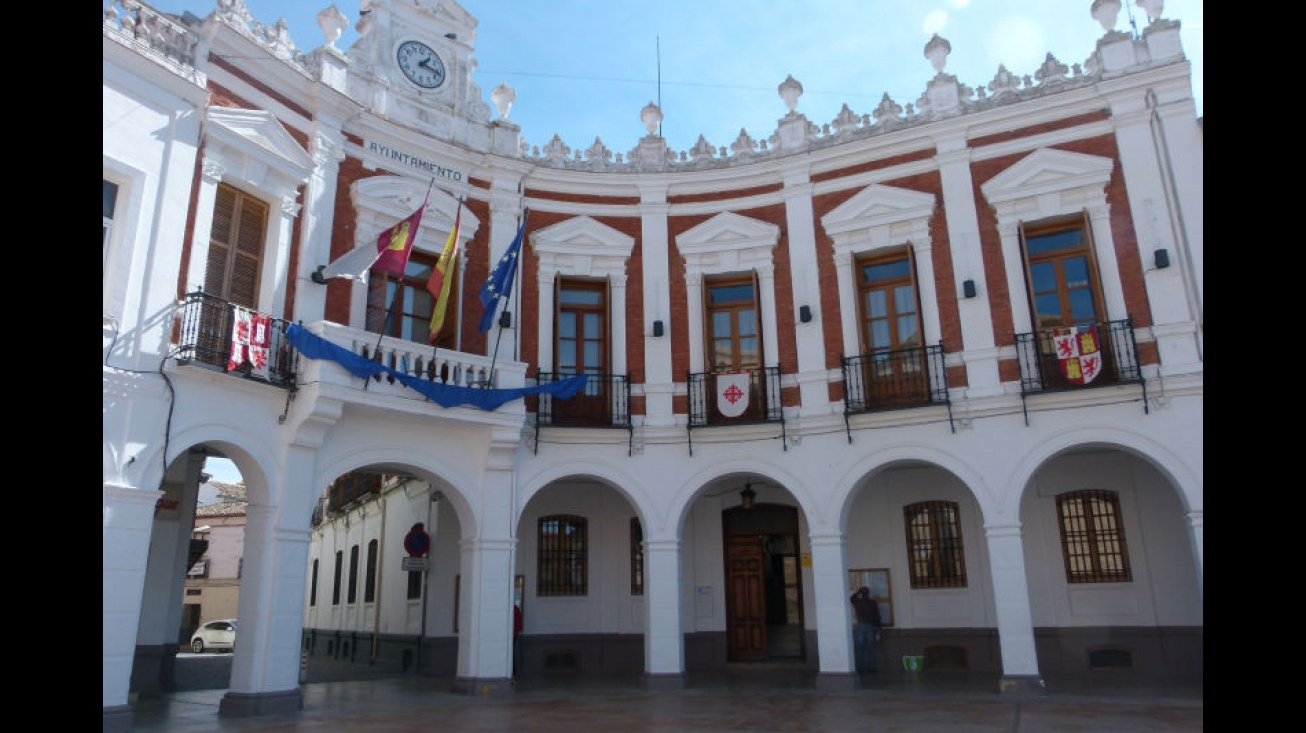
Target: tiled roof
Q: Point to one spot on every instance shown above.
(231, 501)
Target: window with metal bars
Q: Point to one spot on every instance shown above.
(935, 555)
(369, 585)
(636, 557)
(414, 585)
(312, 592)
(563, 556)
(335, 586)
(353, 573)
(1093, 537)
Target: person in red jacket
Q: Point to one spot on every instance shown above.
(516, 636)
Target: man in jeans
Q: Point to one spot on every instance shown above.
(866, 630)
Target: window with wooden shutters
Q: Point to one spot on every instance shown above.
(369, 586)
(236, 247)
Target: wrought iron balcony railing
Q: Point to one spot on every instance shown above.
(604, 403)
(715, 397)
(894, 379)
(206, 337)
(1097, 354)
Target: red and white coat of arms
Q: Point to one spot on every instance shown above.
(732, 394)
(1079, 354)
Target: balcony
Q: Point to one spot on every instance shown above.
(1092, 355)
(604, 403)
(895, 379)
(711, 406)
(206, 335)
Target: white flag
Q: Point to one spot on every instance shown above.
(354, 264)
(732, 393)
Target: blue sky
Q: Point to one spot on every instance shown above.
(585, 68)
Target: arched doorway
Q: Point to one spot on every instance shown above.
(764, 602)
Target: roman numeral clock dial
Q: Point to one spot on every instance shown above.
(420, 64)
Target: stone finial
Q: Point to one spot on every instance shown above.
(790, 91)
(1151, 7)
(333, 23)
(503, 96)
(651, 116)
(937, 50)
(1105, 12)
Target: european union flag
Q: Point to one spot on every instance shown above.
(499, 283)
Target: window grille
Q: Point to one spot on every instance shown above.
(1093, 537)
(563, 556)
(935, 555)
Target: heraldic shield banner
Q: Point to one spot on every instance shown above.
(1079, 353)
(732, 393)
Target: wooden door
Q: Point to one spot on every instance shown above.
(745, 599)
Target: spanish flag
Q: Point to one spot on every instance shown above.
(441, 281)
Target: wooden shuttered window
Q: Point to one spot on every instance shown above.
(236, 247)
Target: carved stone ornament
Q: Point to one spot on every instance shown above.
(651, 116)
(790, 91)
(1105, 13)
(503, 96)
(333, 23)
(937, 50)
(1152, 8)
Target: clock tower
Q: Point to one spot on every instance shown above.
(412, 63)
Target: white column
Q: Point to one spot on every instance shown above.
(317, 224)
(958, 187)
(1195, 521)
(659, 382)
(1011, 594)
(833, 612)
(205, 197)
(128, 517)
(544, 317)
(664, 641)
(766, 300)
(806, 290)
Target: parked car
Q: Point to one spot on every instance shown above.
(215, 635)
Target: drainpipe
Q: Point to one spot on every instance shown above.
(376, 609)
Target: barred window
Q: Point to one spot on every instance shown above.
(353, 574)
(335, 585)
(312, 592)
(414, 585)
(369, 585)
(636, 557)
(563, 556)
(1093, 537)
(935, 555)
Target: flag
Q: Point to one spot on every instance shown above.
(396, 243)
(390, 253)
(499, 284)
(441, 283)
(250, 341)
(732, 393)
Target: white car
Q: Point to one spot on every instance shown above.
(216, 635)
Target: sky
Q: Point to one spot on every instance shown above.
(584, 69)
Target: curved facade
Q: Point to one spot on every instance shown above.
(951, 349)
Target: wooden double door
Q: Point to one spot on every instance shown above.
(764, 603)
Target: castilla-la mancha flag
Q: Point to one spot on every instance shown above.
(732, 393)
(1079, 353)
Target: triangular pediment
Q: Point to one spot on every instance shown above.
(582, 235)
(727, 231)
(877, 206)
(258, 134)
(1047, 170)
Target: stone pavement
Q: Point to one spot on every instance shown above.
(743, 699)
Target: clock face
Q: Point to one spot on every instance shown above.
(420, 64)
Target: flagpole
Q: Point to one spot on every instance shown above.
(435, 347)
(506, 298)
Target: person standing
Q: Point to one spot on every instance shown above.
(866, 629)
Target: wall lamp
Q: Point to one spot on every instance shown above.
(968, 288)
(805, 313)
(657, 328)
(505, 319)
(1161, 258)
(748, 497)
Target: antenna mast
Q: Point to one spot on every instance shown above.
(658, 40)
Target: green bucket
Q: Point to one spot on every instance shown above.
(913, 663)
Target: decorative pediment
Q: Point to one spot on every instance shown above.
(383, 200)
(728, 231)
(878, 206)
(1047, 171)
(582, 246)
(253, 146)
